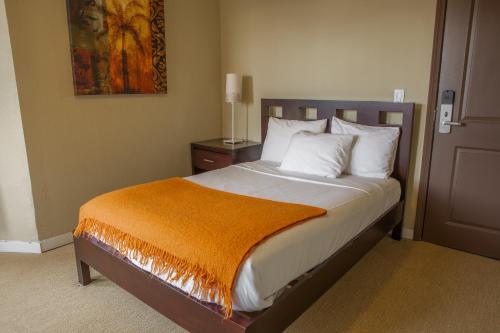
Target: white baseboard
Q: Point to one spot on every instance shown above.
(20, 246)
(36, 246)
(67, 238)
(57, 241)
(407, 233)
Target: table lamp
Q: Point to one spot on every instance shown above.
(233, 96)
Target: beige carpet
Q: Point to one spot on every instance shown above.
(398, 287)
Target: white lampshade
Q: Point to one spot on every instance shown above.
(233, 88)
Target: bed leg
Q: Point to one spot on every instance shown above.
(397, 231)
(83, 272)
(82, 268)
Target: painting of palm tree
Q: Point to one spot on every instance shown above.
(118, 46)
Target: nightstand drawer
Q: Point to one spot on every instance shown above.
(214, 154)
(208, 160)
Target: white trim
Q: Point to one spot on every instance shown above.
(36, 246)
(407, 233)
(57, 241)
(20, 246)
(67, 238)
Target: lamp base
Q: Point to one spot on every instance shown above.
(232, 141)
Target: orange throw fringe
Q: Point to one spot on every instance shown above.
(188, 231)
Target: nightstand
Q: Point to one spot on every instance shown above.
(214, 154)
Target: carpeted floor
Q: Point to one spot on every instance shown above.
(398, 287)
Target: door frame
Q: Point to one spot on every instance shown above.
(437, 50)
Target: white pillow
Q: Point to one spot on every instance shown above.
(279, 133)
(374, 149)
(320, 154)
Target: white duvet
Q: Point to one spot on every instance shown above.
(352, 203)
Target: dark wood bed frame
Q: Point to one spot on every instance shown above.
(197, 316)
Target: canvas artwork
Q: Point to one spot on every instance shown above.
(118, 46)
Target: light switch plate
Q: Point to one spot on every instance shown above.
(399, 95)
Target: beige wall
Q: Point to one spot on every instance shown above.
(79, 147)
(17, 214)
(330, 49)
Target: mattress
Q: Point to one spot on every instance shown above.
(352, 204)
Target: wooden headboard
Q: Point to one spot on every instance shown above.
(367, 113)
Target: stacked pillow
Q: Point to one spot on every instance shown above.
(319, 154)
(302, 146)
(374, 149)
(279, 133)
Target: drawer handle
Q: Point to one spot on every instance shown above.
(208, 161)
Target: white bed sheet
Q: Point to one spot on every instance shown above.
(352, 203)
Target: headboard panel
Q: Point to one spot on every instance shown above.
(368, 113)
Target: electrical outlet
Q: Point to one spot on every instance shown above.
(399, 95)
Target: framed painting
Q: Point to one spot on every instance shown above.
(118, 46)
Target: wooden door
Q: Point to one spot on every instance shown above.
(463, 199)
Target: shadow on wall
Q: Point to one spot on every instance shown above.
(247, 99)
(412, 190)
(3, 219)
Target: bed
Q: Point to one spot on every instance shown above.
(288, 272)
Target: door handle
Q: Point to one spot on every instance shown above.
(208, 161)
(446, 112)
(452, 123)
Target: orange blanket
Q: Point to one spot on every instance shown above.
(188, 230)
